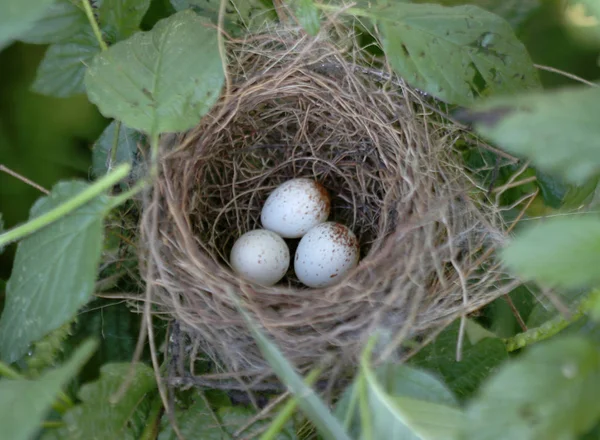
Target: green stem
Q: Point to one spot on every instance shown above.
(551, 327)
(151, 430)
(357, 12)
(65, 208)
(8, 372)
(287, 411)
(90, 15)
(123, 197)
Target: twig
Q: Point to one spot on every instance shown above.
(24, 179)
(515, 311)
(222, 51)
(565, 74)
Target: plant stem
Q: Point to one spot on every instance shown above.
(151, 429)
(123, 197)
(90, 15)
(287, 411)
(8, 372)
(552, 326)
(67, 207)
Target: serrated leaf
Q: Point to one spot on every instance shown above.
(411, 405)
(24, 403)
(121, 18)
(457, 54)
(477, 362)
(62, 21)
(18, 16)
(159, 81)
(125, 141)
(63, 67)
(307, 14)
(314, 408)
(550, 392)
(98, 418)
(46, 351)
(557, 130)
(54, 271)
(558, 252)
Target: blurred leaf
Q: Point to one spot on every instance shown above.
(126, 141)
(456, 54)
(98, 418)
(24, 403)
(550, 392)
(544, 310)
(114, 326)
(515, 12)
(18, 16)
(47, 350)
(62, 70)
(159, 81)
(408, 404)
(558, 252)
(478, 360)
(307, 14)
(559, 194)
(239, 14)
(584, 17)
(557, 130)
(308, 401)
(121, 18)
(62, 21)
(1, 231)
(54, 271)
(198, 421)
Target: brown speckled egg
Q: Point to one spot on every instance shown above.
(260, 256)
(294, 207)
(325, 254)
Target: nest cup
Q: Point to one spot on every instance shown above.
(302, 107)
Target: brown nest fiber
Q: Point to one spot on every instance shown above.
(300, 106)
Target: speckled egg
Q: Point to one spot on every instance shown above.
(260, 256)
(325, 254)
(294, 207)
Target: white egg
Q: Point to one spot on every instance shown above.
(260, 256)
(294, 207)
(325, 254)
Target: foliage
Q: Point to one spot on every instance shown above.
(164, 80)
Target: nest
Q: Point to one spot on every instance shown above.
(303, 107)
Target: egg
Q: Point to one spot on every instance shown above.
(260, 256)
(294, 207)
(325, 254)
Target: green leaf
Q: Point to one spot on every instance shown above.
(456, 54)
(477, 362)
(121, 18)
(1, 231)
(125, 141)
(54, 271)
(47, 350)
(406, 403)
(234, 417)
(24, 403)
(557, 130)
(159, 81)
(18, 16)
(314, 408)
(62, 21)
(98, 417)
(308, 15)
(550, 392)
(558, 252)
(62, 70)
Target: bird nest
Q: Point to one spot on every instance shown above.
(303, 107)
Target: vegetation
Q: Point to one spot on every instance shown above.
(157, 68)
